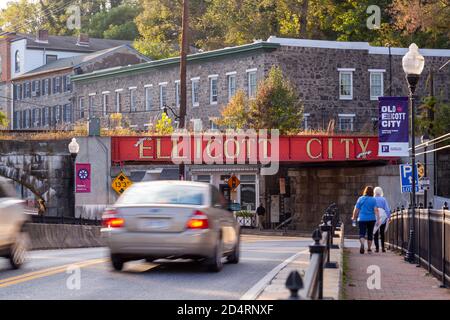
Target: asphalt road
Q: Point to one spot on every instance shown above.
(53, 274)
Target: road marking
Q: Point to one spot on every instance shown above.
(256, 290)
(47, 272)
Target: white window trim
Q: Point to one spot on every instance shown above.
(106, 92)
(376, 70)
(213, 76)
(163, 83)
(132, 88)
(229, 75)
(92, 94)
(232, 73)
(160, 86)
(251, 70)
(346, 97)
(210, 89)
(375, 98)
(118, 90)
(148, 86)
(351, 116)
(194, 80)
(346, 69)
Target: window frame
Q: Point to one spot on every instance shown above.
(213, 79)
(379, 72)
(133, 105)
(17, 62)
(162, 94)
(346, 71)
(148, 97)
(195, 92)
(250, 92)
(118, 100)
(346, 116)
(231, 75)
(81, 107)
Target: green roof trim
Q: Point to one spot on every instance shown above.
(143, 67)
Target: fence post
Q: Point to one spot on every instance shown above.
(396, 226)
(294, 283)
(430, 206)
(317, 248)
(418, 232)
(445, 207)
(402, 230)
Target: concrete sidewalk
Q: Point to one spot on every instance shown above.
(399, 280)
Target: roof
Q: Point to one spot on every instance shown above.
(143, 67)
(69, 43)
(75, 61)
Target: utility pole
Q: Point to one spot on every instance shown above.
(183, 86)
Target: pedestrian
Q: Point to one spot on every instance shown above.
(260, 211)
(381, 204)
(366, 213)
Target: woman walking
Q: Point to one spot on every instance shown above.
(366, 212)
(381, 204)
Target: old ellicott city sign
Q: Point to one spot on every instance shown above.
(264, 149)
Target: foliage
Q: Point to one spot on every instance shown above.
(19, 16)
(235, 114)
(441, 114)
(3, 120)
(244, 214)
(277, 105)
(164, 125)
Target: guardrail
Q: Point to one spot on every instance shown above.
(311, 287)
(64, 220)
(431, 242)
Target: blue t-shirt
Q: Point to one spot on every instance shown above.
(382, 203)
(366, 206)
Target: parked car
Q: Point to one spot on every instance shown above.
(14, 239)
(171, 219)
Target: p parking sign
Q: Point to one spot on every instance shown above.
(406, 177)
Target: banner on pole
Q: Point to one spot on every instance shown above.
(83, 178)
(393, 127)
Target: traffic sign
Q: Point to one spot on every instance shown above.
(406, 178)
(420, 170)
(233, 182)
(121, 183)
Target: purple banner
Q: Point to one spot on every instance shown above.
(393, 127)
(83, 177)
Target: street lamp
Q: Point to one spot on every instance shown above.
(413, 63)
(424, 140)
(74, 148)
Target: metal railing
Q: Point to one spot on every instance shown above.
(431, 241)
(64, 220)
(311, 287)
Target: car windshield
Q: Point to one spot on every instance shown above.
(163, 194)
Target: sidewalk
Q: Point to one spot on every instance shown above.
(399, 280)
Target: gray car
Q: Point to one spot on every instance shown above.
(14, 239)
(171, 220)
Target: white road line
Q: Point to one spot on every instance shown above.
(256, 290)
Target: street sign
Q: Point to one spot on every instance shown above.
(420, 170)
(233, 182)
(121, 183)
(406, 178)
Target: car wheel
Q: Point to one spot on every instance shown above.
(234, 256)
(117, 262)
(18, 250)
(214, 263)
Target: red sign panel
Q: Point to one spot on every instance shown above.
(204, 149)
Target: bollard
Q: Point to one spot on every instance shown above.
(444, 284)
(317, 248)
(430, 206)
(294, 283)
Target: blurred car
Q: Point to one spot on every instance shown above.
(14, 239)
(171, 220)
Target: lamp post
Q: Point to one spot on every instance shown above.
(413, 63)
(74, 148)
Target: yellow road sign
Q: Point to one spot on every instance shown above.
(420, 170)
(233, 182)
(121, 183)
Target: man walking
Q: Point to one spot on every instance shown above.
(260, 211)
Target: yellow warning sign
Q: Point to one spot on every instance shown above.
(121, 183)
(420, 170)
(233, 182)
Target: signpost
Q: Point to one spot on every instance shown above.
(393, 127)
(406, 178)
(121, 183)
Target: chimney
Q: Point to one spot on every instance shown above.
(42, 36)
(83, 40)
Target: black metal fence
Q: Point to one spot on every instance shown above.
(65, 220)
(311, 287)
(431, 237)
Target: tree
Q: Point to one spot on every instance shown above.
(164, 125)
(3, 120)
(19, 16)
(235, 114)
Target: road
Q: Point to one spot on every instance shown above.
(46, 275)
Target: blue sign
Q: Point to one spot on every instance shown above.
(393, 127)
(406, 178)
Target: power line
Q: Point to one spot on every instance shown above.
(433, 141)
(434, 150)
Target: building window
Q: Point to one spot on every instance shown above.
(17, 61)
(306, 124)
(346, 84)
(132, 99)
(195, 92)
(376, 84)
(212, 124)
(91, 105)
(48, 83)
(57, 85)
(252, 83)
(118, 101)
(162, 94)
(231, 80)
(50, 58)
(197, 125)
(248, 192)
(177, 93)
(105, 104)
(213, 94)
(346, 122)
(81, 107)
(67, 113)
(148, 98)
(203, 178)
(43, 117)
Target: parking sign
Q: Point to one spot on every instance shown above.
(406, 178)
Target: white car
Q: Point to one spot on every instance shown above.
(14, 239)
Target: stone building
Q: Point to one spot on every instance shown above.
(338, 82)
(43, 97)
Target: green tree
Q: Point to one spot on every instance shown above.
(235, 114)
(20, 16)
(3, 120)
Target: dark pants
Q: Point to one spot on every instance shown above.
(380, 234)
(366, 227)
